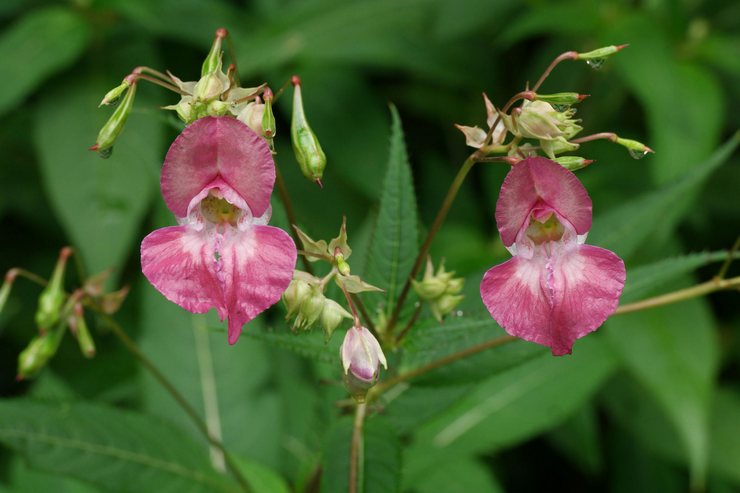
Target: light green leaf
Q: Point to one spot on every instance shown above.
(458, 474)
(261, 479)
(624, 229)
(519, 403)
(23, 479)
(116, 450)
(381, 453)
(36, 47)
(672, 352)
(310, 344)
(395, 241)
(100, 202)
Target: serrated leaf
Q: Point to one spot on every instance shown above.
(395, 242)
(381, 454)
(310, 344)
(623, 229)
(519, 403)
(36, 47)
(117, 450)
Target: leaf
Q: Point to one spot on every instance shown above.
(100, 203)
(381, 453)
(672, 352)
(261, 479)
(624, 229)
(517, 404)
(395, 242)
(458, 474)
(24, 479)
(578, 438)
(116, 450)
(310, 344)
(35, 48)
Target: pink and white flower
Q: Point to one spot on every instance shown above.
(555, 289)
(362, 355)
(217, 180)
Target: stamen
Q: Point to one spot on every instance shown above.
(219, 211)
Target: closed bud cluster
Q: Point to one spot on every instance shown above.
(440, 289)
(305, 300)
(361, 357)
(539, 120)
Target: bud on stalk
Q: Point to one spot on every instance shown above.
(308, 152)
(113, 127)
(52, 297)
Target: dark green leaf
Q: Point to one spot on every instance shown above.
(36, 47)
(458, 474)
(394, 244)
(117, 450)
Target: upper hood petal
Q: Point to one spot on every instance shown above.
(215, 147)
(539, 181)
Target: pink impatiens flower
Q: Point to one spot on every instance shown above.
(555, 289)
(217, 180)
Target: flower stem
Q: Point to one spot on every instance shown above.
(134, 349)
(599, 136)
(702, 289)
(424, 250)
(290, 212)
(568, 55)
(161, 83)
(356, 459)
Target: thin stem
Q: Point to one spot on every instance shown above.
(356, 459)
(232, 56)
(568, 55)
(15, 272)
(363, 311)
(599, 136)
(290, 212)
(179, 398)
(516, 97)
(156, 73)
(161, 83)
(730, 256)
(702, 289)
(410, 323)
(424, 250)
(281, 90)
(351, 306)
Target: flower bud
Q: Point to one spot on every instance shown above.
(556, 146)
(600, 53)
(268, 119)
(310, 310)
(81, 332)
(112, 96)
(38, 353)
(573, 163)
(428, 289)
(113, 127)
(212, 63)
(293, 297)
(331, 316)
(361, 356)
(211, 86)
(565, 98)
(311, 158)
(637, 150)
(251, 115)
(444, 305)
(52, 297)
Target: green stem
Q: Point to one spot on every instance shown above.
(356, 459)
(702, 289)
(179, 398)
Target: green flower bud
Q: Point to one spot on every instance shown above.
(293, 297)
(81, 332)
(636, 149)
(566, 98)
(268, 119)
(428, 289)
(251, 116)
(600, 53)
(217, 108)
(38, 353)
(112, 96)
(52, 297)
(444, 305)
(572, 163)
(556, 146)
(113, 127)
(211, 86)
(212, 63)
(331, 316)
(310, 310)
(311, 158)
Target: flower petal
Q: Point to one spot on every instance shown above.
(554, 301)
(255, 269)
(240, 273)
(215, 147)
(536, 181)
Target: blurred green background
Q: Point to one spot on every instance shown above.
(657, 401)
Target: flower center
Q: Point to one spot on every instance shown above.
(219, 211)
(548, 230)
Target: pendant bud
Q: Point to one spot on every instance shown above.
(52, 297)
(361, 356)
(311, 158)
(113, 127)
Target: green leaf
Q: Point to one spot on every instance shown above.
(578, 438)
(519, 403)
(35, 48)
(310, 344)
(116, 450)
(100, 203)
(261, 479)
(395, 242)
(24, 479)
(458, 474)
(624, 229)
(381, 453)
(672, 352)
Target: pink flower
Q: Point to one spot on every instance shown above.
(555, 289)
(217, 180)
(361, 354)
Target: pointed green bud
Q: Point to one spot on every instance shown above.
(636, 149)
(340, 242)
(7, 286)
(310, 310)
(114, 94)
(212, 62)
(311, 158)
(113, 127)
(557, 145)
(293, 297)
(428, 289)
(444, 305)
(435, 285)
(331, 316)
(38, 353)
(268, 119)
(600, 53)
(564, 98)
(52, 297)
(79, 328)
(573, 163)
(211, 86)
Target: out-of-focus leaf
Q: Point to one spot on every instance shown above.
(579, 439)
(466, 16)
(99, 202)
(381, 454)
(36, 47)
(394, 244)
(684, 103)
(519, 403)
(431, 341)
(722, 51)
(116, 450)
(553, 18)
(672, 352)
(623, 229)
(407, 407)
(261, 479)
(458, 474)
(23, 479)
(307, 344)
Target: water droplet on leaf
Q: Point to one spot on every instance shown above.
(635, 154)
(596, 63)
(105, 153)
